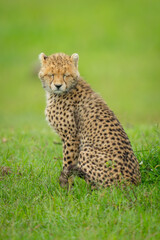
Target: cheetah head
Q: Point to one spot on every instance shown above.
(59, 72)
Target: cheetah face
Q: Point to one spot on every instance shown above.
(59, 72)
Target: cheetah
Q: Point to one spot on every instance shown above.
(95, 145)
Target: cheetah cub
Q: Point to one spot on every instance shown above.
(95, 145)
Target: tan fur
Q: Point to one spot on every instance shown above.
(95, 146)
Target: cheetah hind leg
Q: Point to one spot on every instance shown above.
(74, 170)
(66, 182)
(67, 177)
(77, 171)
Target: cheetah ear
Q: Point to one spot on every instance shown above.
(75, 58)
(42, 58)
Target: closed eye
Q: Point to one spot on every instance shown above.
(66, 75)
(51, 75)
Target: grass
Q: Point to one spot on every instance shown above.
(118, 44)
(34, 206)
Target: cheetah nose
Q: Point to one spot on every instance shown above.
(58, 86)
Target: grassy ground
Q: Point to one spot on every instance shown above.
(33, 205)
(118, 44)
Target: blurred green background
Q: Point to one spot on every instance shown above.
(118, 42)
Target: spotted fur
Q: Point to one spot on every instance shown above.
(95, 145)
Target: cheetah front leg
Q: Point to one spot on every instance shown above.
(70, 158)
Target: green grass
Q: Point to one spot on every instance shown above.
(34, 206)
(118, 43)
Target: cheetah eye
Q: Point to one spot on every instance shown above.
(65, 75)
(51, 75)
